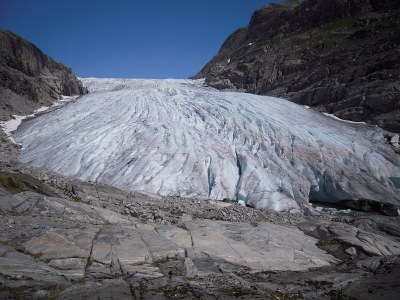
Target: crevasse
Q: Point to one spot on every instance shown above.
(176, 137)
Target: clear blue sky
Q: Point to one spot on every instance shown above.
(128, 38)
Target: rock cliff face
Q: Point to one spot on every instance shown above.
(29, 78)
(341, 56)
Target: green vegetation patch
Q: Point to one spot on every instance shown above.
(70, 194)
(11, 184)
(53, 293)
(173, 211)
(20, 182)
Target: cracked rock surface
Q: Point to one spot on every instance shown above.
(62, 238)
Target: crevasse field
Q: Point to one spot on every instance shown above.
(177, 137)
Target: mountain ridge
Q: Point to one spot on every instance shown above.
(29, 78)
(339, 56)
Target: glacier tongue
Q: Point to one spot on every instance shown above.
(176, 137)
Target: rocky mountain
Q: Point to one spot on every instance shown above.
(29, 78)
(340, 56)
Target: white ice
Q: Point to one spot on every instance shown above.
(176, 137)
(11, 125)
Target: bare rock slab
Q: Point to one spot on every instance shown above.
(123, 244)
(62, 243)
(71, 268)
(95, 290)
(264, 247)
(22, 270)
(368, 242)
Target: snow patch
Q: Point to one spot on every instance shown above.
(395, 141)
(12, 125)
(342, 120)
(242, 203)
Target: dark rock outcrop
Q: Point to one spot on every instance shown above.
(29, 78)
(341, 56)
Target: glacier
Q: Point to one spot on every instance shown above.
(178, 137)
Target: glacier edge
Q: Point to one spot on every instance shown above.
(176, 137)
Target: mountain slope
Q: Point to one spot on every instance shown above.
(341, 56)
(29, 78)
(172, 137)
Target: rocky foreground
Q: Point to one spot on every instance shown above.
(62, 238)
